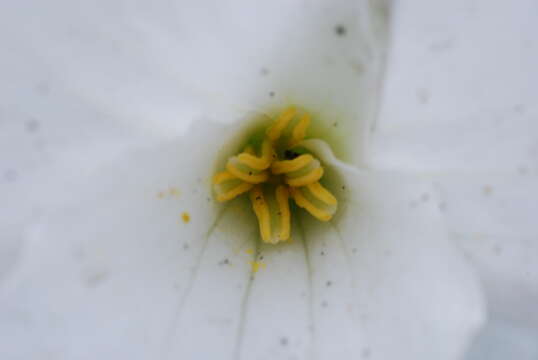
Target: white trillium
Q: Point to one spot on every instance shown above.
(97, 260)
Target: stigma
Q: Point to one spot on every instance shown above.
(274, 171)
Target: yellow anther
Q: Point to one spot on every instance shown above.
(282, 198)
(273, 133)
(248, 176)
(228, 186)
(286, 166)
(258, 163)
(304, 203)
(304, 180)
(243, 187)
(261, 209)
(321, 193)
(222, 176)
(299, 131)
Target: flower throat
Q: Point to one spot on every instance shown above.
(274, 170)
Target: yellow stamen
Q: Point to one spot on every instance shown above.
(232, 190)
(221, 177)
(258, 163)
(261, 209)
(282, 198)
(273, 133)
(286, 166)
(303, 202)
(250, 177)
(321, 193)
(271, 181)
(304, 180)
(299, 132)
(235, 192)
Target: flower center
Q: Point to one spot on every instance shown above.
(274, 170)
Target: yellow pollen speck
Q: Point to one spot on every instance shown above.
(174, 192)
(275, 170)
(257, 265)
(185, 217)
(249, 251)
(160, 195)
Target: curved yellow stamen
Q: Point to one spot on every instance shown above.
(304, 180)
(249, 177)
(299, 131)
(273, 133)
(222, 176)
(282, 198)
(261, 209)
(303, 202)
(286, 166)
(235, 192)
(258, 163)
(321, 193)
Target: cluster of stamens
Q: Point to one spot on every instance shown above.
(275, 170)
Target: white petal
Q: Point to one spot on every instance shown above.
(493, 218)
(157, 66)
(460, 88)
(107, 268)
(407, 280)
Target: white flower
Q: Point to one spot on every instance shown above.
(114, 246)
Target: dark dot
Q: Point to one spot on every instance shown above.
(32, 125)
(340, 30)
(264, 71)
(42, 88)
(519, 108)
(343, 187)
(11, 175)
(523, 170)
(271, 93)
(322, 253)
(324, 304)
(224, 262)
(335, 124)
(290, 155)
(365, 353)
(261, 257)
(442, 206)
(329, 283)
(250, 173)
(424, 197)
(185, 246)
(283, 341)
(258, 197)
(354, 250)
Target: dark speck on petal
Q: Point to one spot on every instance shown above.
(340, 30)
(32, 125)
(10, 175)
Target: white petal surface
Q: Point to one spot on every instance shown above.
(154, 67)
(409, 281)
(459, 107)
(460, 88)
(109, 267)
